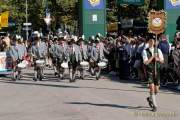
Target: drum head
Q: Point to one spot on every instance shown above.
(40, 61)
(21, 65)
(102, 64)
(64, 65)
(84, 63)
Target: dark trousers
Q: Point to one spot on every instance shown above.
(124, 69)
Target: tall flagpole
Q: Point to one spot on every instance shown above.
(27, 34)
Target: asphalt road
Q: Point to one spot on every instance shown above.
(106, 99)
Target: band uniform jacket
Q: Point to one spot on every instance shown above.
(39, 51)
(61, 51)
(84, 51)
(75, 50)
(18, 51)
(97, 52)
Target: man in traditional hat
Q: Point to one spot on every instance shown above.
(18, 52)
(97, 55)
(84, 53)
(152, 58)
(74, 58)
(38, 52)
(52, 53)
(61, 53)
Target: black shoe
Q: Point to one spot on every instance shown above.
(19, 76)
(13, 79)
(97, 78)
(55, 74)
(41, 78)
(35, 79)
(61, 76)
(71, 81)
(154, 109)
(82, 77)
(150, 102)
(16, 78)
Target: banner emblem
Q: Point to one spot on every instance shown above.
(94, 3)
(175, 2)
(157, 21)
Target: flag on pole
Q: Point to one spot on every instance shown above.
(4, 19)
(0, 22)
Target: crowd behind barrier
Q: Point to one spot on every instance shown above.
(122, 55)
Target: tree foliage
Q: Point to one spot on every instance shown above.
(63, 12)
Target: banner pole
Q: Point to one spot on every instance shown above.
(155, 53)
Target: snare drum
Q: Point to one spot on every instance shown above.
(22, 65)
(102, 64)
(40, 63)
(85, 65)
(65, 65)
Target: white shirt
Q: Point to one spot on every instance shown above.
(145, 57)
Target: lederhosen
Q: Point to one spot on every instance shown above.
(150, 70)
(72, 60)
(52, 56)
(18, 59)
(61, 59)
(82, 53)
(98, 59)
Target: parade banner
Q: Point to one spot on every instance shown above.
(92, 16)
(156, 25)
(4, 19)
(157, 21)
(5, 64)
(172, 4)
(2, 61)
(94, 4)
(0, 22)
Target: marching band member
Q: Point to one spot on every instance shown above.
(61, 55)
(84, 53)
(38, 52)
(52, 53)
(74, 58)
(18, 53)
(97, 55)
